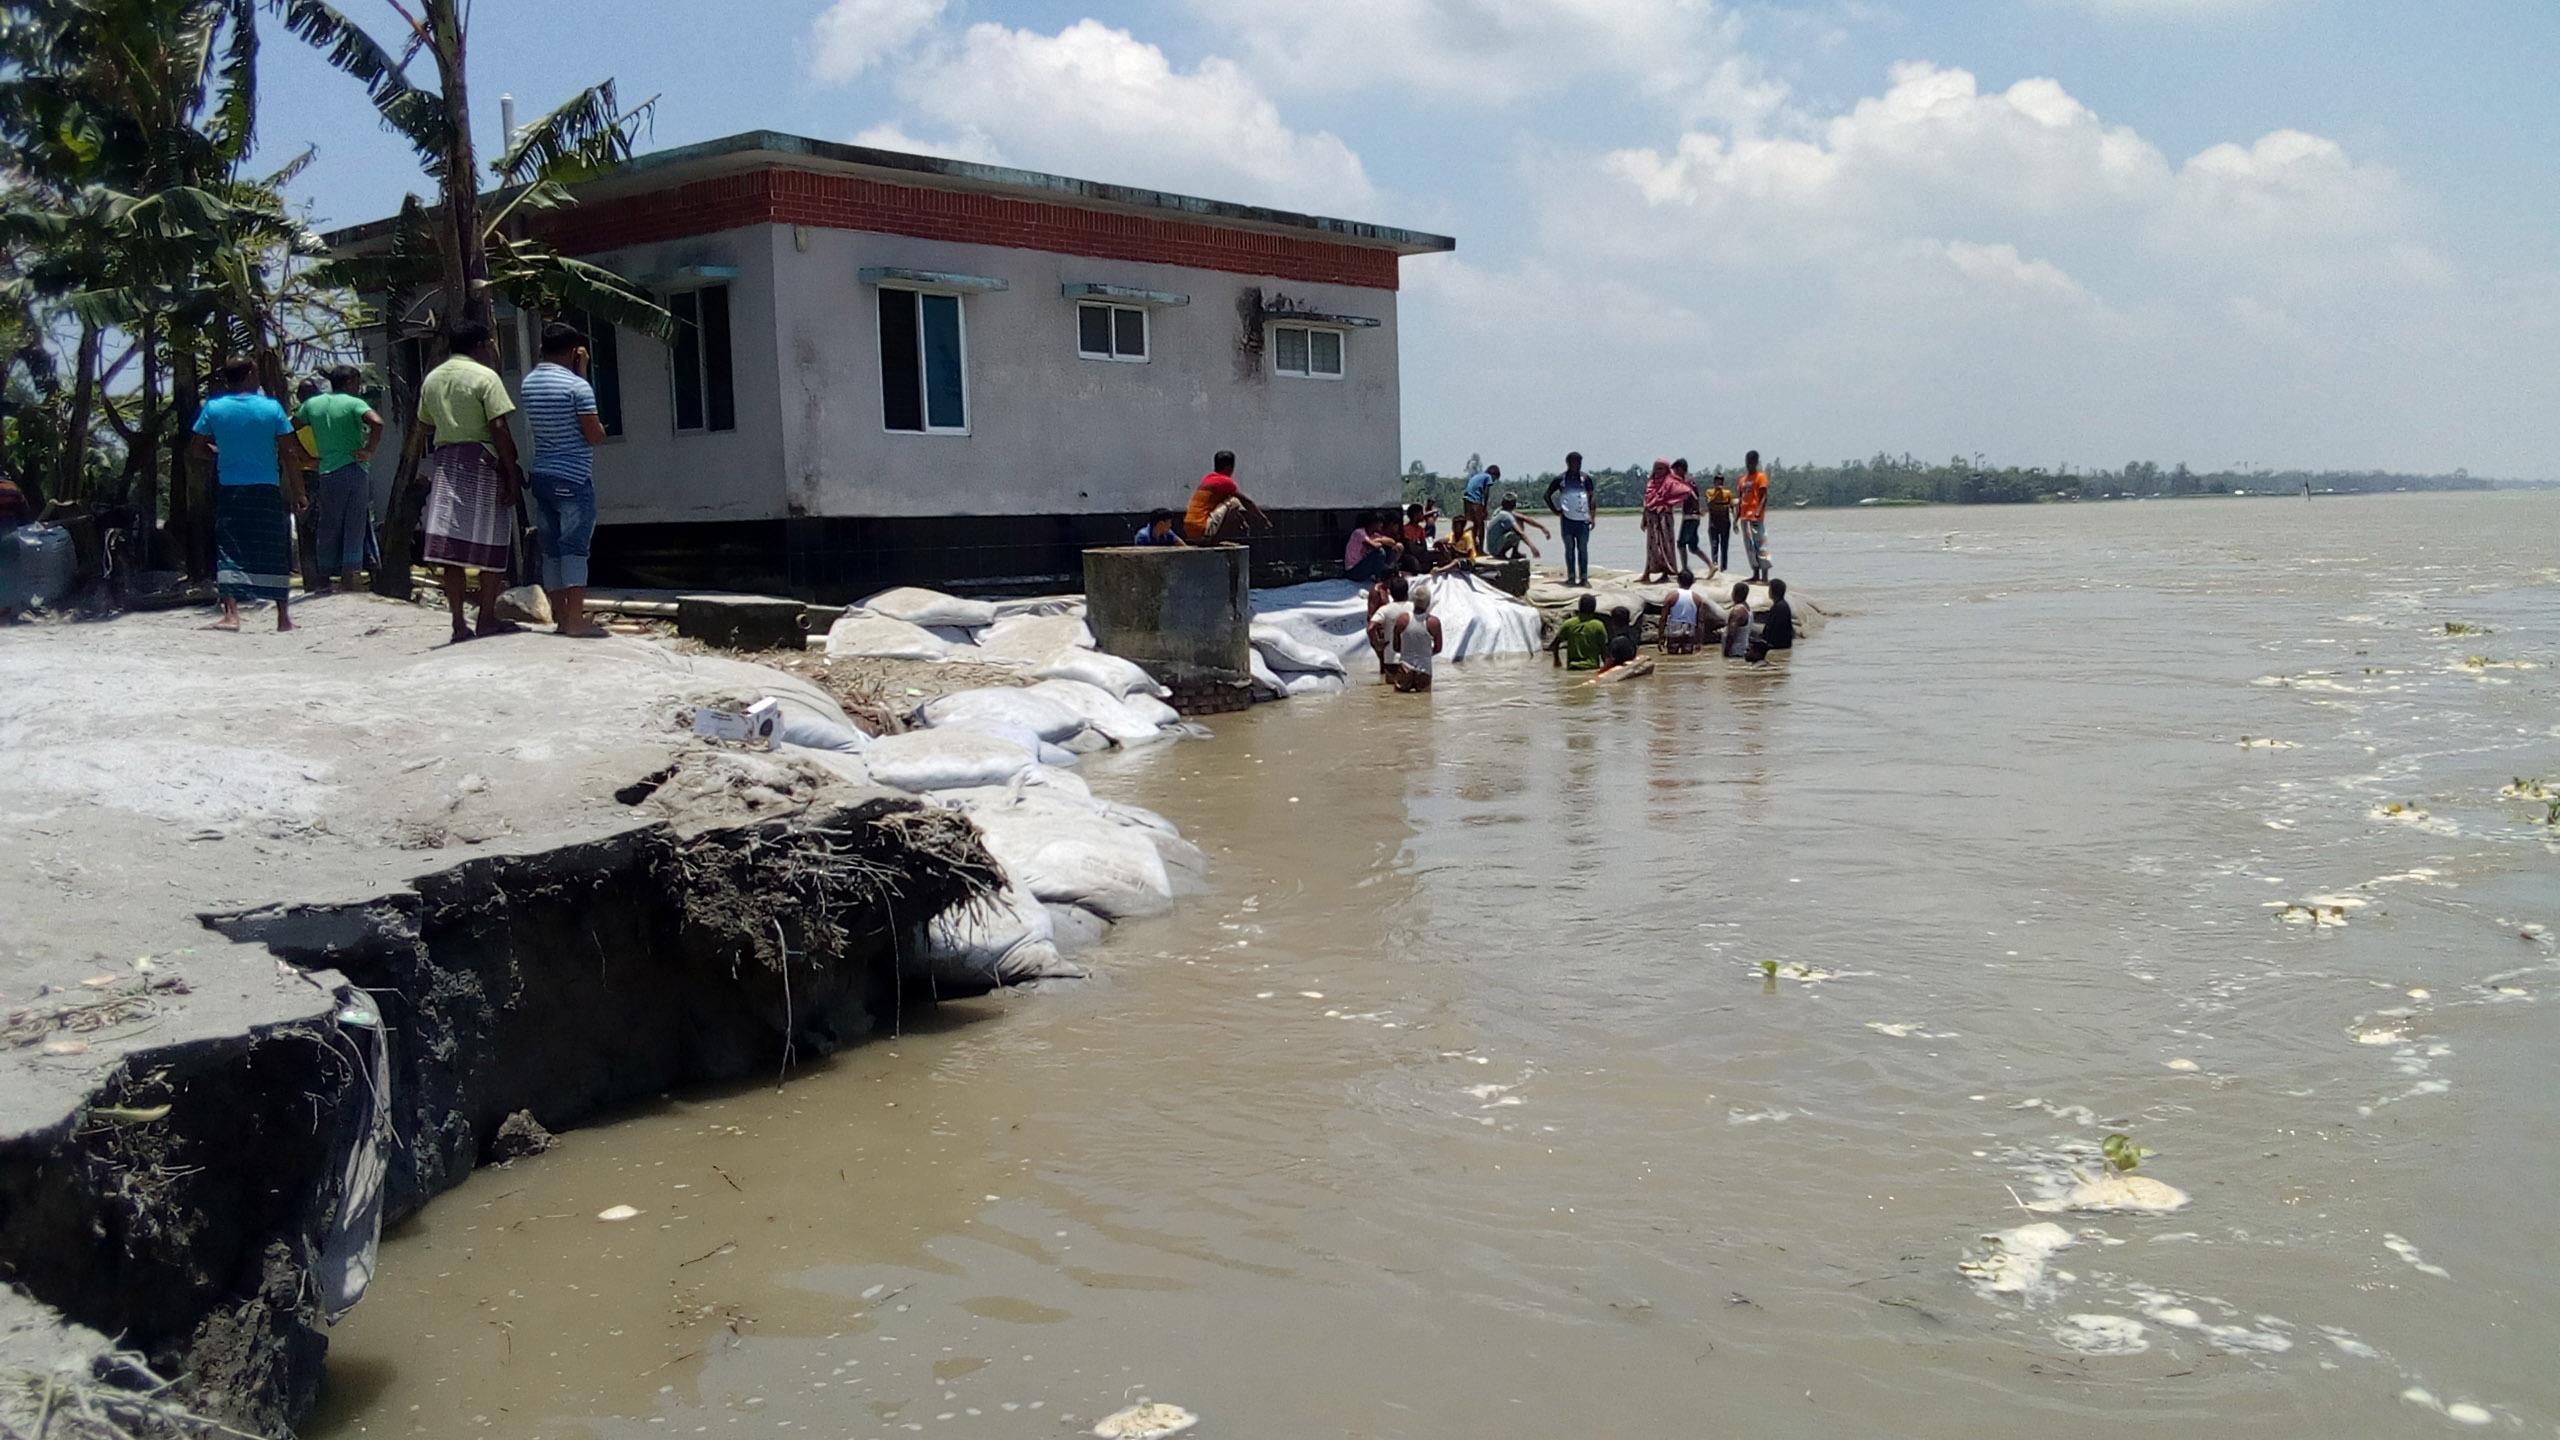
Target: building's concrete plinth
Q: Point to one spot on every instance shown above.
(1184, 612)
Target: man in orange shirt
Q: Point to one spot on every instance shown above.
(1218, 509)
(1751, 509)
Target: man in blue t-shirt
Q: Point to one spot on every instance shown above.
(257, 464)
(1479, 497)
(561, 407)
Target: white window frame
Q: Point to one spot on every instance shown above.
(1341, 336)
(968, 401)
(1146, 332)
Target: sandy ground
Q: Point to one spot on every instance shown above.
(159, 772)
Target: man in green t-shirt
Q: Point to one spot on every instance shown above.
(345, 429)
(1582, 641)
(473, 478)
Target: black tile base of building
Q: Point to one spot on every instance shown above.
(836, 559)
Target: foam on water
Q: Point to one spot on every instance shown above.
(2107, 1335)
(2014, 1262)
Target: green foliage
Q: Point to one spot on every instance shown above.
(1960, 480)
(2123, 1156)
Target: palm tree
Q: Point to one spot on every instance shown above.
(459, 252)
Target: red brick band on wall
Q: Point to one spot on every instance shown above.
(844, 202)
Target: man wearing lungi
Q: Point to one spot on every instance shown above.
(472, 476)
(257, 480)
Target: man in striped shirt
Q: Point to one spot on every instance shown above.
(560, 406)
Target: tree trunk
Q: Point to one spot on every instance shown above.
(190, 503)
(400, 521)
(465, 256)
(72, 473)
(142, 457)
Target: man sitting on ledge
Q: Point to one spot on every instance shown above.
(1369, 553)
(1219, 511)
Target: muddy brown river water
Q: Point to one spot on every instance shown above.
(1461, 1106)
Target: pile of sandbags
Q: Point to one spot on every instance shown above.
(1310, 639)
(909, 623)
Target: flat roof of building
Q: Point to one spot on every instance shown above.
(771, 149)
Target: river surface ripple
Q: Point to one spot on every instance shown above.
(1460, 1105)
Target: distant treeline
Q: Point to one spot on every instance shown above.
(1908, 479)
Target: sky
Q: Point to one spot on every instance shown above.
(2058, 232)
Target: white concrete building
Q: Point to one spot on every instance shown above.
(901, 368)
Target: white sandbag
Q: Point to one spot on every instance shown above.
(1047, 753)
(1105, 712)
(844, 765)
(1477, 619)
(930, 607)
(1152, 710)
(1087, 741)
(1120, 677)
(1040, 714)
(1031, 639)
(526, 605)
(1086, 860)
(1290, 655)
(812, 733)
(1314, 684)
(1074, 929)
(1006, 940)
(923, 760)
(1267, 684)
(961, 638)
(856, 636)
(1040, 605)
(1329, 615)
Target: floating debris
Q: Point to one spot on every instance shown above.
(2103, 1334)
(617, 1212)
(1146, 1420)
(2416, 1261)
(2015, 1263)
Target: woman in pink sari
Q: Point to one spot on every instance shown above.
(1664, 494)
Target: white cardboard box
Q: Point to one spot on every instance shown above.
(757, 724)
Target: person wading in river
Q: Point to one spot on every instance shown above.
(1582, 641)
(1416, 641)
(1570, 496)
(1388, 603)
(473, 479)
(257, 482)
(1737, 624)
(1680, 618)
(1777, 624)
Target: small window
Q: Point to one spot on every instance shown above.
(924, 383)
(1112, 332)
(604, 366)
(706, 396)
(1306, 353)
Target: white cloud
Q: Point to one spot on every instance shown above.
(1687, 52)
(1933, 145)
(1097, 102)
(851, 36)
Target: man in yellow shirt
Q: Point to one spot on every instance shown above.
(472, 476)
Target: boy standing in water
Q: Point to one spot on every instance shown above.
(1777, 625)
(1737, 624)
(1582, 642)
(1415, 641)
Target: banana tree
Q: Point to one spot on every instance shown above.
(449, 259)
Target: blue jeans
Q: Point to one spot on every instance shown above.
(1371, 566)
(1577, 550)
(565, 511)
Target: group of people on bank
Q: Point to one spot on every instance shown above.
(262, 454)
